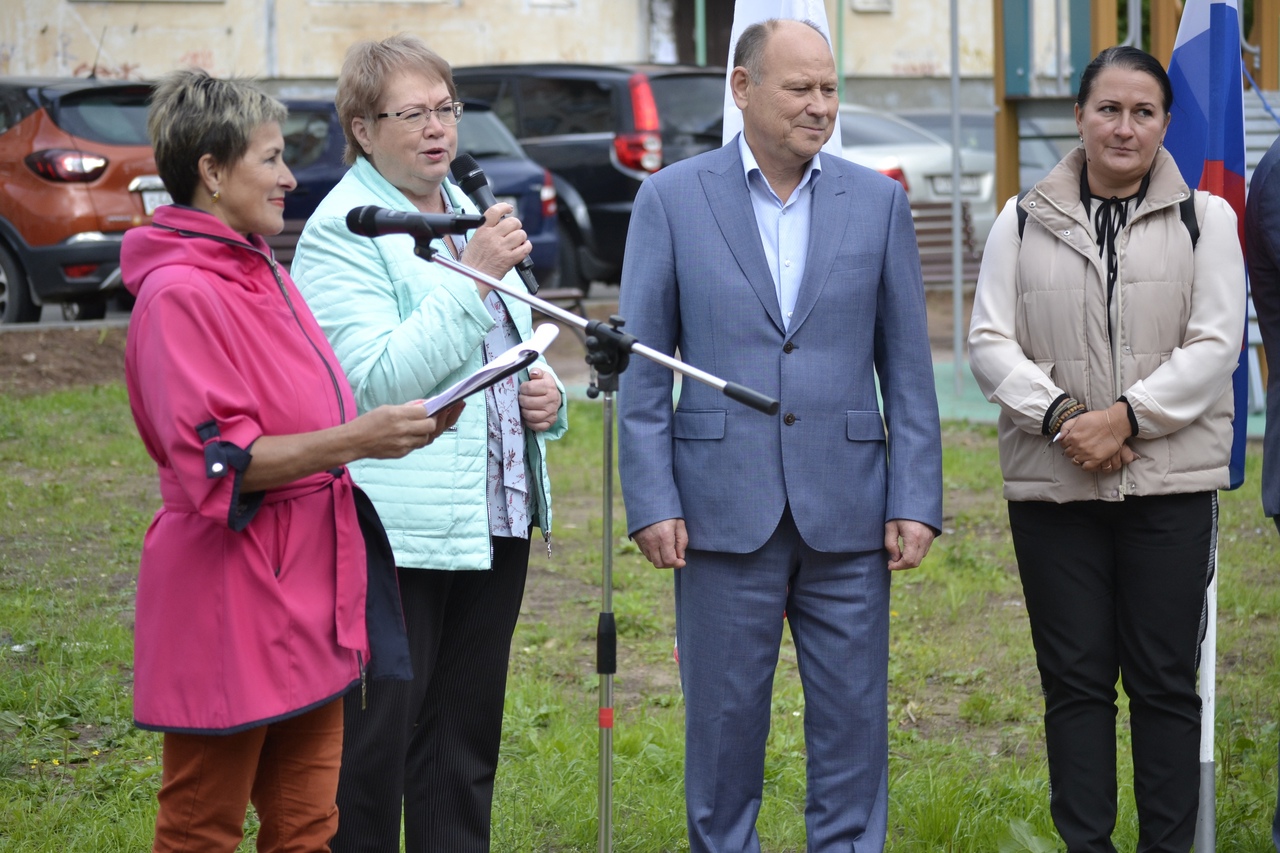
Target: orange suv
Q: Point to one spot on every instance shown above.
(76, 171)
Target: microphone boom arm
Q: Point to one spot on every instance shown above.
(609, 335)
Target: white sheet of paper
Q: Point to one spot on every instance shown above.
(512, 361)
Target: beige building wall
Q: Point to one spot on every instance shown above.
(142, 39)
(913, 38)
(307, 38)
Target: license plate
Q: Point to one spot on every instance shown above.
(511, 200)
(151, 199)
(969, 184)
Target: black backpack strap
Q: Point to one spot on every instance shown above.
(1022, 214)
(1187, 209)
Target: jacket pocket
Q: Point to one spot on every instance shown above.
(865, 426)
(856, 261)
(698, 424)
(1046, 365)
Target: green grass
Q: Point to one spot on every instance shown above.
(966, 738)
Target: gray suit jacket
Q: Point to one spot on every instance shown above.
(1262, 243)
(695, 279)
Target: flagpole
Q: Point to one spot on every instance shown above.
(839, 50)
(957, 262)
(700, 32)
(1206, 816)
(1206, 139)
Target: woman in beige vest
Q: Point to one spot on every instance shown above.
(1108, 334)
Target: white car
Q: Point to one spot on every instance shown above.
(1038, 149)
(921, 162)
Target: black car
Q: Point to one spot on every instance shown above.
(601, 130)
(314, 142)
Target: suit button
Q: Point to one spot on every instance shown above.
(788, 347)
(789, 419)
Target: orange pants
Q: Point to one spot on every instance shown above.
(288, 770)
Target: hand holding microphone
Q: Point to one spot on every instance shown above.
(470, 178)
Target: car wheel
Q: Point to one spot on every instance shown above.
(87, 309)
(567, 260)
(16, 305)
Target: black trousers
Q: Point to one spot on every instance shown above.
(1118, 588)
(431, 744)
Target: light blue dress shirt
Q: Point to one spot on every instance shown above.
(784, 226)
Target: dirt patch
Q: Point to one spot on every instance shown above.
(940, 305)
(39, 359)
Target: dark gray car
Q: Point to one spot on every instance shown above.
(601, 130)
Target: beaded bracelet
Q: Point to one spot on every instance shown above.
(1060, 403)
(1065, 411)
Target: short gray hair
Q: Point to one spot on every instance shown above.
(749, 51)
(193, 114)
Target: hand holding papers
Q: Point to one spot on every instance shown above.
(513, 360)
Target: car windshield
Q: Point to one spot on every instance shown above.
(112, 117)
(306, 132)
(690, 103)
(865, 128)
(481, 134)
(975, 131)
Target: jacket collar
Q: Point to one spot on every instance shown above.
(1055, 201)
(830, 212)
(724, 181)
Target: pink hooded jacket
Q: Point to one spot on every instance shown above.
(250, 607)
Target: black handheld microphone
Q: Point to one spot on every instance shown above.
(470, 177)
(374, 221)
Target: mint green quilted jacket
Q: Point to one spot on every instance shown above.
(404, 329)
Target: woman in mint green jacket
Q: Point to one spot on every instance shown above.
(459, 513)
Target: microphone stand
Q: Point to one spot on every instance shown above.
(609, 350)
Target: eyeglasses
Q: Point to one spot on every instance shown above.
(416, 118)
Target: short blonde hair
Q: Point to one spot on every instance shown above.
(193, 114)
(365, 72)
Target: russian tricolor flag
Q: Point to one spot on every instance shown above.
(1206, 137)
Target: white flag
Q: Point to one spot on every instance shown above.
(748, 12)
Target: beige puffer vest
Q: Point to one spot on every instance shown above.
(1062, 325)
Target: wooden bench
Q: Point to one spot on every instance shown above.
(569, 298)
(932, 220)
(284, 243)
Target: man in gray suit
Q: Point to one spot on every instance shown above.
(1262, 244)
(796, 274)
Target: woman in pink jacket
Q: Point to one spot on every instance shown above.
(252, 587)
